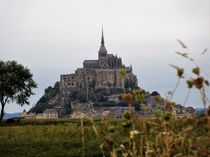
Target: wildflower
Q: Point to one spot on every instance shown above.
(142, 91)
(158, 99)
(139, 91)
(128, 98)
(101, 146)
(164, 133)
(196, 71)
(111, 128)
(127, 124)
(190, 83)
(149, 151)
(198, 82)
(180, 71)
(133, 133)
(169, 105)
(167, 116)
(139, 95)
(122, 146)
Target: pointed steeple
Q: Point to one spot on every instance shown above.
(102, 48)
(102, 37)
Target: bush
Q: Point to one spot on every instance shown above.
(127, 115)
(111, 128)
(127, 124)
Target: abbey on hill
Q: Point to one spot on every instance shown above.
(98, 83)
(103, 73)
(95, 91)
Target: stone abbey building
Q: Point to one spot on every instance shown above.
(103, 73)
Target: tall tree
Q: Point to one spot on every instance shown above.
(16, 84)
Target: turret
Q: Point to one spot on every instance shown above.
(131, 68)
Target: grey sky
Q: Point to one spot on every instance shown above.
(52, 37)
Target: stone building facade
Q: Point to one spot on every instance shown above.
(47, 114)
(105, 72)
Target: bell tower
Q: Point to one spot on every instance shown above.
(102, 54)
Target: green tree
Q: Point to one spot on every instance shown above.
(16, 84)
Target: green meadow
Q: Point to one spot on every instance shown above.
(130, 136)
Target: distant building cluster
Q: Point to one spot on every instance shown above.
(47, 114)
(88, 110)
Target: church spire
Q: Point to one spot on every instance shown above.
(102, 48)
(102, 37)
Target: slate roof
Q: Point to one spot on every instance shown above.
(90, 62)
(102, 49)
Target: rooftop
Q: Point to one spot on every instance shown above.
(90, 61)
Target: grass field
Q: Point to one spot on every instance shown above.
(51, 138)
(86, 137)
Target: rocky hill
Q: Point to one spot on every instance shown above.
(48, 100)
(103, 98)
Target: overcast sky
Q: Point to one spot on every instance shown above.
(53, 37)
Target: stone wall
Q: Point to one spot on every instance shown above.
(67, 85)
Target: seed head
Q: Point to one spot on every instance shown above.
(169, 105)
(128, 98)
(182, 44)
(198, 82)
(158, 98)
(207, 82)
(196, 71)
(179, 70)
(189, 83)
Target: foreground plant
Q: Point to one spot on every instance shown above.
(159, 137)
